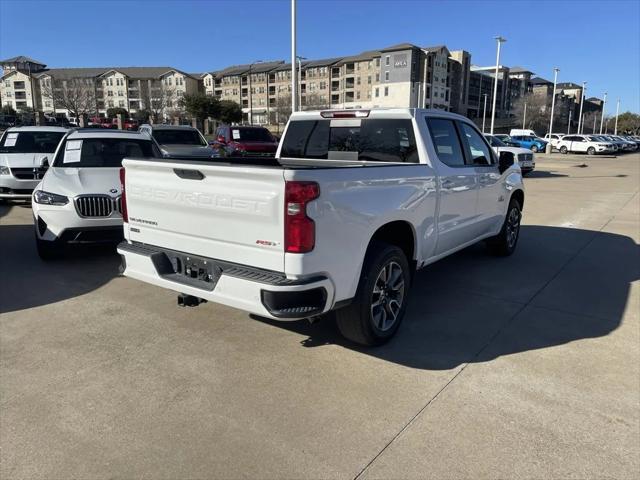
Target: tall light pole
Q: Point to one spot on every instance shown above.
(615, 129)
(500, 41)
(484, 111)
(604, 103)
(300, 59)
(568, 123)
(582, 97)
(553, 104)
(294, 96)
(251, 93)
(524, 116)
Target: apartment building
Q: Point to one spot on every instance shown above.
(27, 83)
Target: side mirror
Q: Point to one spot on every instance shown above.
(506, 160)
(45, 162)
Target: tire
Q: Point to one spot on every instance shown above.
(504, 244)
(534, 149)
(591, 151)
(564, 150)
(371, 319)
(47, 250)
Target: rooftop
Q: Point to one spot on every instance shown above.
(21, 59)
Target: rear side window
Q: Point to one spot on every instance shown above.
(372, 140)
(446, 141)
(178, 137)
(102, 152)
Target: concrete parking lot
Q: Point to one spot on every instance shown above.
(520, 367)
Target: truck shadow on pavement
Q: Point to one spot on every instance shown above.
(27, 281)
(561, 285)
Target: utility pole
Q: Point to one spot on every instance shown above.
(500, 41)
(484, 112)
(582, 97)
(568, 124)
(595, 119)
(553, 104)
(615, 129)
(294, 83)
(524, 116)
(604, 103)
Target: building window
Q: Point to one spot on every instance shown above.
(121, 103)
(386, 91)
(387, 60)
(377, 62)
(110, 103)
(386, 76)
(358, 80)
(377, 92)
(369, 79)
(120, 93)
(7, 83)
(357, 95)
(110, 93)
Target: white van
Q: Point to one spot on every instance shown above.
(523, 132)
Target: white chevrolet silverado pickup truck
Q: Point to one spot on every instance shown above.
(354, 202)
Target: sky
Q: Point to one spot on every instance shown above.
(593, 41)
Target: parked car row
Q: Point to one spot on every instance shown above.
(593, 144)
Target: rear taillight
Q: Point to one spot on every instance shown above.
(299, 229)
(125, 216)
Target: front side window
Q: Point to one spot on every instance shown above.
(477, 149)
(102, 152)
(251, 135)
(446, 141)
(30, 142)
(372, 140)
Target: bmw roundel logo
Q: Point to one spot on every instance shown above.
(113, 190)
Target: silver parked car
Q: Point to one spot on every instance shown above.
(180, 141)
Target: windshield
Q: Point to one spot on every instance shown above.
(102, 152)
(30, 142)
(377, 140)
(251, 135)
(495, 141)
(594, 139)
(178, 137)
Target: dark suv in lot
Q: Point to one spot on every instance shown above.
(245, 141)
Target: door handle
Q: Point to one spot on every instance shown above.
(188, 174)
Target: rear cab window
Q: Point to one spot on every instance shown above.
(178, 137)
(357, 139)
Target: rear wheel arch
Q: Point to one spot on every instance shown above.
(399, 233)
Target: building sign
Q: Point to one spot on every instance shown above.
(400, 61)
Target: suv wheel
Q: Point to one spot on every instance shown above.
(504, 244)
(564, 150)
(591, 151)
(534, 148)
(381, 300)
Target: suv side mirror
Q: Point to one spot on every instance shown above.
(45, 162)
(506, 160)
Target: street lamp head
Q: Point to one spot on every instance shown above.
(500, 39)
(556, 69)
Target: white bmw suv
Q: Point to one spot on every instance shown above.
(79, 198)
(24, 152)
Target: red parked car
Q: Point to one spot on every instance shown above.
(245, 141)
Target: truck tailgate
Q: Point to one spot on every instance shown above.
(230, 213)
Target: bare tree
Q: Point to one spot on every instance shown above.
(282, 109)
(314, 101)
(158, 100)
(76, 95)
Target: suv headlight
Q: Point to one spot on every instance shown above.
(4, 170)
(47, 198)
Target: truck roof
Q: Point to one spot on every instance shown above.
(105, 133)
